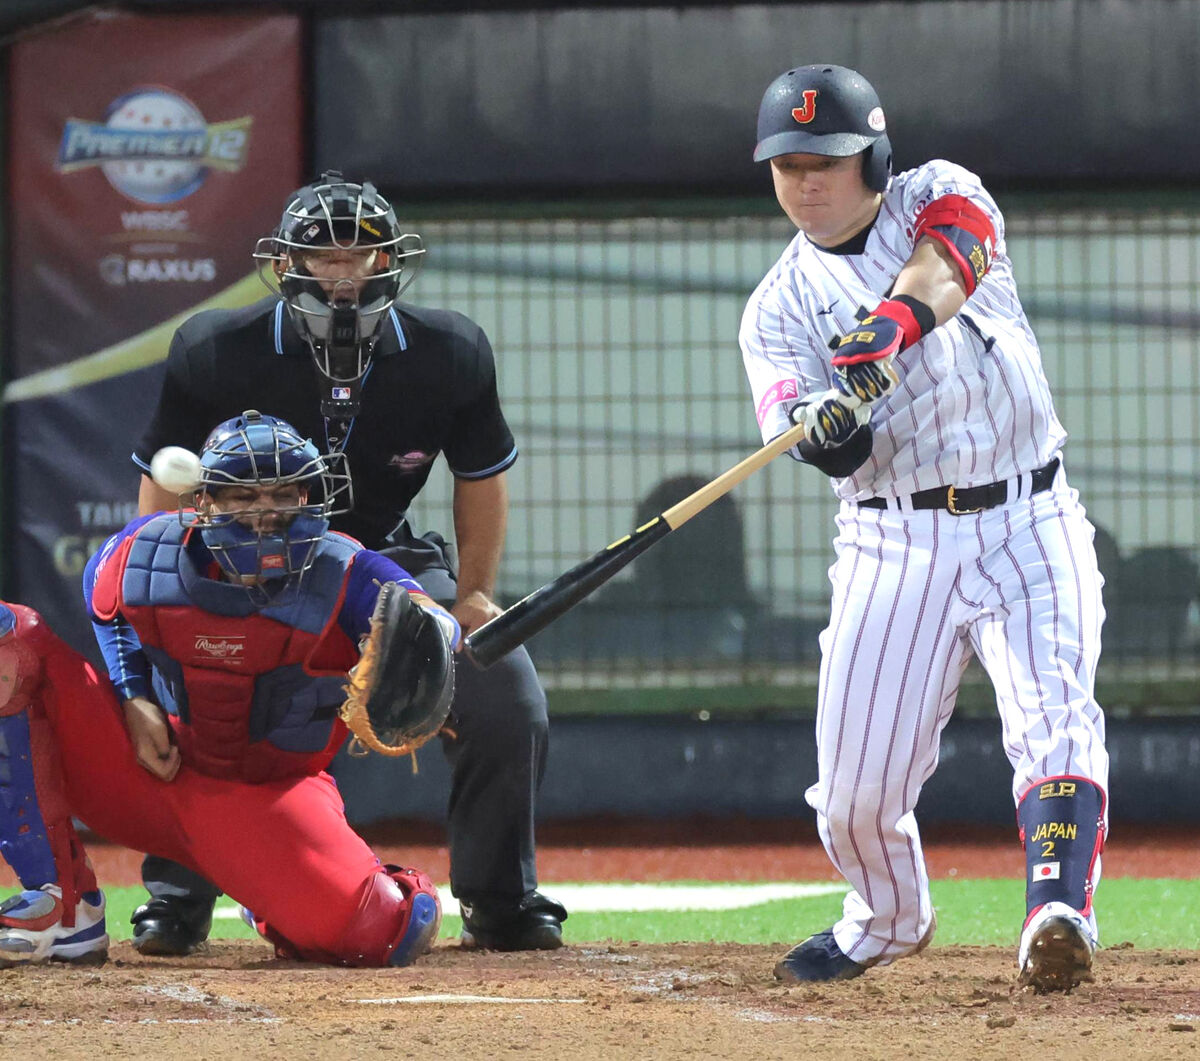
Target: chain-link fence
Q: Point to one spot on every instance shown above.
(616, 342)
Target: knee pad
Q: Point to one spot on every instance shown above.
(1061, 821)
(20, 664)
(397, 920)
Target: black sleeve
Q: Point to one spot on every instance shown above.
(479, 443)
(840, 461)
(183, 416)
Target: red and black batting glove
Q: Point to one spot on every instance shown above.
(862, 359)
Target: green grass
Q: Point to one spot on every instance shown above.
(1147, 913)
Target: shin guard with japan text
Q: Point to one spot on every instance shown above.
(1061, 822)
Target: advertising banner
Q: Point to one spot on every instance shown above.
(146, 155)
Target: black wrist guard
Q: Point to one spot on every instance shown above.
(843, 459)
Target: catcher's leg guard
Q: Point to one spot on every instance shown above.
(37, 838)
(397, 921)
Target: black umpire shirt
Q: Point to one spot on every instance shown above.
(430, 388)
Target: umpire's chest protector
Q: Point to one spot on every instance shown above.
(254, 692)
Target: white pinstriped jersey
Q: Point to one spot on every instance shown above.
(915, 591)
(973, 405)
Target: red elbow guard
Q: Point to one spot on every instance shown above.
(966, 232)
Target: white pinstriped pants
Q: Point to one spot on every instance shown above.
(913, 594)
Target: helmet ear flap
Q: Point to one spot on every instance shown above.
(877, 164)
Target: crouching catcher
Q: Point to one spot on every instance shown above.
(229, 630)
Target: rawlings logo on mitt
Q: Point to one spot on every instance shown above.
(400, 690)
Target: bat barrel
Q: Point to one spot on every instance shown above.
(525, 618)
(543, 606)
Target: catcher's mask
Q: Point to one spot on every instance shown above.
(265, 546)
(825, 110)
(339, 315)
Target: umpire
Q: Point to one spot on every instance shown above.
(391, 385)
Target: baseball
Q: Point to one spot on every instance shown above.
(176, 469)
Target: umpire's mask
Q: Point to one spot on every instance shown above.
(339, 261)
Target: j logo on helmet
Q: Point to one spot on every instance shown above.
(807, 111)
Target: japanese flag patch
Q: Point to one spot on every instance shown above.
(1046, 871)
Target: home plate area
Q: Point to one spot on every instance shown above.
(586, 1001)
(615, 1000)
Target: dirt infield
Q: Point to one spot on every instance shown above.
(622, 1000)
(593, 1002)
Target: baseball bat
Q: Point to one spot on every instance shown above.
(535, 612)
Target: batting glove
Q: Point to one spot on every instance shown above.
(829, 417)
(862, 364)
(862, 359)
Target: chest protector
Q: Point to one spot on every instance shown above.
(253, 691)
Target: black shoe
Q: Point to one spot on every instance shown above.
(532, 923)
(817, 958)
(170, 926)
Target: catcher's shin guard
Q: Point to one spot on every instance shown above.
(397, 921)
(1061, 822)
(37, 838)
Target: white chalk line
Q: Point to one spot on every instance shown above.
(464, 1000)
(51, 1021)
(237, 1012)
(644, 898)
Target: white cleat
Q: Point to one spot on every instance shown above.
(1057, 945)
(32, 932)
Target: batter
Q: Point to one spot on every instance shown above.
(892, 328)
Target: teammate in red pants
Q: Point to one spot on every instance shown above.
(207, 615)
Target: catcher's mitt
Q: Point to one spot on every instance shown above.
(400, 690)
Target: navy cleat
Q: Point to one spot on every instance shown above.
(32, 929)
(817, 958)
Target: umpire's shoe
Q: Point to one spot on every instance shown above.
(818, 958)
(32, 929)
(1057, 944)
(532, 923)
(171, 927)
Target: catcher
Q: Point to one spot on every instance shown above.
(229, 630)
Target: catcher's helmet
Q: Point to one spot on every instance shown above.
(334, 213)
(254, 450)
(825, 110)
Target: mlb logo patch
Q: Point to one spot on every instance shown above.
(341, 394)
(1046, 871)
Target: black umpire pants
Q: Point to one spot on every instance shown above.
(497, 757)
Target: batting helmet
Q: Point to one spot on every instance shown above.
(252, 451)
(825, 110)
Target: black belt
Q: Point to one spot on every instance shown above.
(973, 498)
